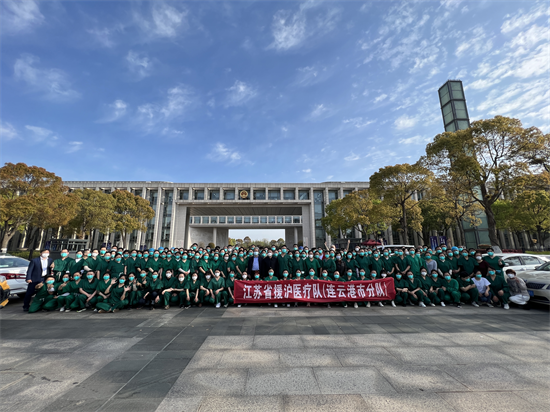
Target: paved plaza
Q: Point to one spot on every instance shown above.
(266, 359)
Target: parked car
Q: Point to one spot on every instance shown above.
(538, 283)
(394, 247)
(14, 269)
(4, 291)
(519, 261)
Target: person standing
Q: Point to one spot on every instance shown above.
(39, 268)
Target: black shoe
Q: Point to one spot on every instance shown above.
(25, 309)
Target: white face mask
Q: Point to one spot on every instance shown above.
(194, 278)
(94, 254)
(217, 274)
(383, 275)
(424, 273)
(244, 276)
(45, 255)
(180, 279)
(478, 257)
(168, 275)
(208, 276)
(511, 275)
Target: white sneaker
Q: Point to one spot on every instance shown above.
(432, 304)
(346, 305)
(238, 306)
(422, 304)
(368, 304)
(226, 305)
(269, 304)
(355, 305)
(288, 305)
(475, 305)
(490, 305)
(443, 304)
(380, 304)
(62, 309)
(218, 305)
(275, 305)
(506, 306)
(328, 305)
(67, 310)
(295, 304)
(393, 304)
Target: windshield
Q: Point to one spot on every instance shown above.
(13, 262)
(545, 267)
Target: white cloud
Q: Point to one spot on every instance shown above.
(239, 94)
(529, 38)
(165, 21)
(358, 122)
(290, 30)
(168, 131)
(478, 44)
(222, 153)
(104, 36)
(306, 171)
(7, 131)
(318, 111)
(139, 64)
(19, 16)
(114, 111)
(178, 100)
(352, 157)
(405, 122)
(415, 140)
(522, 18)
(310, 75)
(40, 134)
(380, 98)
(53, 84)
(284, 129)
(74, 147)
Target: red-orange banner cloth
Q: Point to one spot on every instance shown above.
(308, 290)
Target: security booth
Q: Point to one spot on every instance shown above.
(72, 245)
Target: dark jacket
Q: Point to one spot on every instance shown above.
(34, 271)
(269, 263)
(251, 262)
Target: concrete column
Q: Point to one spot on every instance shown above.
(526, 240)
(512, 240)
(501, 238)
(214, 236)
(158, 218)
(450, 237)
(389, 235)
(415, 237)
(237, 194)
(173, 217)
(140, 233)
(295, 235)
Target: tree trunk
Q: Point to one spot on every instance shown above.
(404, 224)
(32, 241)
(491, 223)
(5, 240)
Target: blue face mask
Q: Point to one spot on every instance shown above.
(447, 278)
(121, 281)
(90, 276)
(336, 276)
(76, 277)
(49, 282)
(155, 276)
(398, 276)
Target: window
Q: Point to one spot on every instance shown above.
(332, 195)
(259, 194)
(230, 220)
(450, 128)
(138, 192)
(239, 220)
(447, 113)
(531, 260)
(229, 195)
(456, 87)
(347, 192)
(274, 195)
(263, 219)
(255, 219)
(463, 124)
(303, 194)
(444, 95)
(197, 220)
(288, 219)
(296, 219)
(288, 194)
(205, 220)
(184, 194)
(214, 194)
(247, 219)
(513, 261)
(222, 219)
(271, 219)
(213, 219)
(460, 108)
(199, 194)
(279, 219)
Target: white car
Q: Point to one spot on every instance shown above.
(15, 270)
(538, 283)
(519, 261)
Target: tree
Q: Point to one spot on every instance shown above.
(489, 157)
(397, 185)
(280, 242)
(131, 213)
(356, 211)
(26, 193)
(95, 211)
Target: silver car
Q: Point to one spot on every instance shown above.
(15, 270)
(538, 283)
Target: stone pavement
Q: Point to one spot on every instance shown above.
(266, 359)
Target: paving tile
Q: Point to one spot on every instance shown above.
(486, 378)
(410, 402)
(228, 342)
(324, 403)
(308, 357)
(242, 403)
(424, 339)
(361, 356)
(211, 382)
(327, 341)
(351, 380)
(541, 399)
(186, 404)
(278, 342)
(517, 338)
(205, 359)
(488, 402)
(470, 339)
(419, 378)
(132, 404)
(379, 339)
(249, 359)
(281, 381)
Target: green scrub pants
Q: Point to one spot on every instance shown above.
(401, 298)
(471, 295)
(109, 307)
(502, 299)
(437, 297)
(80, 302)
(454, 296)
(38, 304)
(171, 297)
(222, 296)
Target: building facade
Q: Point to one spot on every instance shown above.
(187, 213)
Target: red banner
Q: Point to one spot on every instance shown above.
(308, 290)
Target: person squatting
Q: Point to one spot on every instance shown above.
(111, 280)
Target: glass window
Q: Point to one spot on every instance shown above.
(274, 195)
(303, 194)
(456, 87)
(230, 219)
(247, 219)
(205, 219)
(448, 113)
(444, 95)
(450, 127)
(463, 124)
(229, 195)
(213, 219)
(288, 219)
(255, 219)
(271, 219)
(513, 261)
(214, 194)
(296, 219)
(239, 219)
(263, 219)
(288, 194)
(184, 194)
(460, 108)
(279, 219)
(199, 194)
(190, 220)
(332, 195)
(197, 220)
(531, 260)
(259, 194)
(222, 219)
(138, 192)
(347, 192)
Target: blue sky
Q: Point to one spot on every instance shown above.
(256, 91)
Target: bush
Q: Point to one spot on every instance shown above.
(19, 253)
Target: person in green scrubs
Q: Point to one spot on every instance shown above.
(62, 266)
(177, 293)
(131, 262)
(72, 290)
(78, 264)
(207, 292)
(444, 266)
(296, 264)
(325, 275)
(494, 261)
(452, 290)
(53, 304)
(217, 288)
(45, 293)
(168, 284)
(117, 296)
(401, 264)
(230, 288)
(116, 267)
(87, 293)
(154, 264)
(436, 293)
(416, 293)
(466, 262)
(425, 284)
(401, 290)
(312, 264)
(500, 289)
(329, 264)
(468, 289)
(387, 263)
(196, 295)
(153, 291)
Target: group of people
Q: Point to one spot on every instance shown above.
(110, 280)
